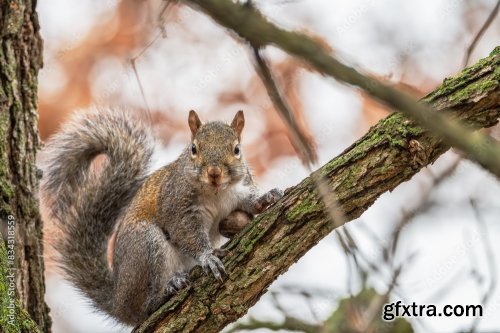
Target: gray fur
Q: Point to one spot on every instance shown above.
(87, 207)
(164, 224)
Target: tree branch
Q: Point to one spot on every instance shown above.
(251, 25)
(390, 153)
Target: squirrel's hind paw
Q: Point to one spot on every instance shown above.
(177, 282)
(210, 262)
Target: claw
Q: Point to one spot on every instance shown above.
(177, 282)
(268, 199)
(211, 262)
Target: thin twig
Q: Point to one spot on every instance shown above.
(480, 33)
(289, 323)
(370, 315)
(317, 292)
(141, 88)
(490, 257)
(167, 4)
(133, 61)
(410, 215)
(304, 145)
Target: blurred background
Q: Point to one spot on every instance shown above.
(440, 228)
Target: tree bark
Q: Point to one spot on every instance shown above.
(20, 61)
(390, 153)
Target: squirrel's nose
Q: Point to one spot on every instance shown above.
(214, 172)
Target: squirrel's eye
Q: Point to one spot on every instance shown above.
(193, 149)
(237, 150)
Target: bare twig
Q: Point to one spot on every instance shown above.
(311, 292)
(409, 215)
(490, 257)
(141, 88)
(165, 6)
(374, 308)
(289, 323)
(304, 145)
(480, 33)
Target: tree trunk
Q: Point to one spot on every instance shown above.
(20, 60)
(390, 153)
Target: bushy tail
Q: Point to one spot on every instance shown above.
(87, 204)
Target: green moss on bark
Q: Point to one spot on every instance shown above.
(481, 87)
(303, 207)
(466, 84)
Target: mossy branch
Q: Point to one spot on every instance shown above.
(251, 25)
(390, 153)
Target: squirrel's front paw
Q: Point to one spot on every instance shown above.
(234, 223)
(209, 261)
(268, 199)
(220, 253)
(177, 282)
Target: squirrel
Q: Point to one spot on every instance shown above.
(130, 239)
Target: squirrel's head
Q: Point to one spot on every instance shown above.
(215, 151)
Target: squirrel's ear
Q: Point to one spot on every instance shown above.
(238, 123)
(194, 122)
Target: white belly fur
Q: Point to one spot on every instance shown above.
(219, 206)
